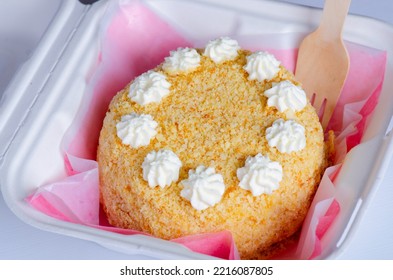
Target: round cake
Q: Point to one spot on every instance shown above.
(212, 139)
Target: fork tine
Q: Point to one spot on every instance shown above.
(321, 111)
(312, 99)
(323, 108)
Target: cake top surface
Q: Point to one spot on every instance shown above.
(209, 121)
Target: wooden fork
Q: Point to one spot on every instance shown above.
(323, 63)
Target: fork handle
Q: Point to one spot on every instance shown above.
(333, 17)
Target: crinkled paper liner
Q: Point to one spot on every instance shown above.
(134, 39)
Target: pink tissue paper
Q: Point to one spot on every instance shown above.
(135, 39)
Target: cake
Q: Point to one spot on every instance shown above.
(212, 139)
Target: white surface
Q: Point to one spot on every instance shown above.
(373, 239)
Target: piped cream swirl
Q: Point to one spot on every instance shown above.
(182, 60)
(262, 66)
(161, 168)
(222, 49)
(285, 95)
(287, 136)
(149, 87)
(260, 175)
(136, 130)
(203, 187)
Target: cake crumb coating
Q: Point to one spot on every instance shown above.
(213, 116)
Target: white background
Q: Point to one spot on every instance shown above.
(21, 26)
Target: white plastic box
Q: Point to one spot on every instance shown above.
(37, 109)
